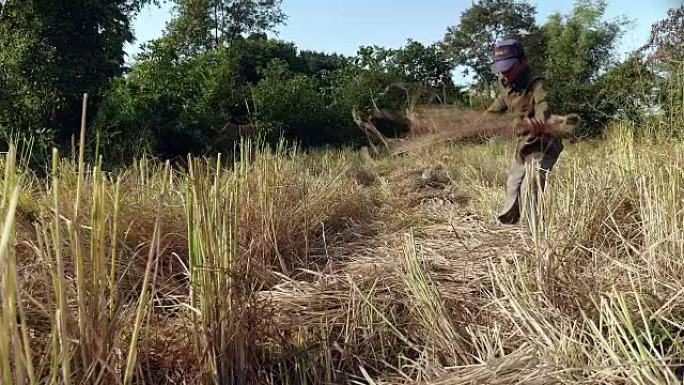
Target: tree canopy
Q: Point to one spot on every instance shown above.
(208, 24)
(51, 53)
(217, 72)
(470, 42)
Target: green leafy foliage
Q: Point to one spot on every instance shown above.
(667, 37)
(415, 73)
(170, 107)
(579, 51)
(471, 41)
(296, 107)
(627, 90)
(215, 75)
(209, 24)
(26, 98)
(172, 104)
(51, 53)
(665, 53)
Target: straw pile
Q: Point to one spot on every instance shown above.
(431, 125)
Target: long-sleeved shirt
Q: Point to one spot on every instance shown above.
(526, 98)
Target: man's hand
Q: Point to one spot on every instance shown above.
(538, 126)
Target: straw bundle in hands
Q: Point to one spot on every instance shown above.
(434, 125)
(462, 123)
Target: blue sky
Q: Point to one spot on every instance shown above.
(343, 25)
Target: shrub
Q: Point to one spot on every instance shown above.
(296, 107)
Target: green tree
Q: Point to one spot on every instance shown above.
(428, 66)
(203, 25)
(27, 96)
(667, 37)
(52, 52)
(295, 106)
(627, 90)
(424, 64)
(382, 83)
(579, 50)
(665, 50)
(470, 43)
(255, 52)
(318, 63)
(420, 69)
(172, 104)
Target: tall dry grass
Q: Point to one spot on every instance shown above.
(281, 267)
(596, 297)
(151, 275)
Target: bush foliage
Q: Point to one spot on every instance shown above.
(215, 75)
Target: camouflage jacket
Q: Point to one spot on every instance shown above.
(525, 98)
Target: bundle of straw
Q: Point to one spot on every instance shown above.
(434, 124)
(461, 123)
(430, 126)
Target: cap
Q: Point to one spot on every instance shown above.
(507, 53)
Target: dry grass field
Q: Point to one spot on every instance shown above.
(333, 267)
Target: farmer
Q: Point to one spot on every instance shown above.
(522, 93)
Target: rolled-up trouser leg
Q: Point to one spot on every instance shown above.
(511, 209)
(549, 151)
(549, 157)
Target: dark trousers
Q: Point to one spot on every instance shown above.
(546, 149)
